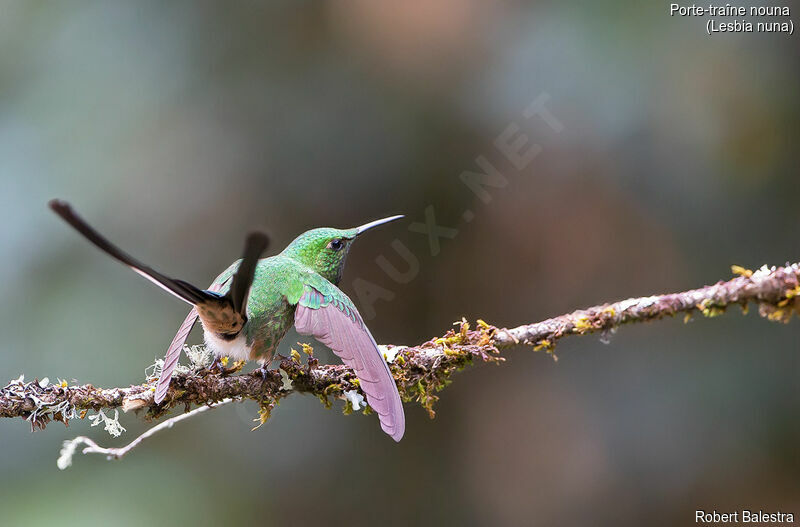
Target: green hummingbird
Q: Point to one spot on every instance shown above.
(248, 308)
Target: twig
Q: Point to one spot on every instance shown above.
(69, 447)
(420, 371)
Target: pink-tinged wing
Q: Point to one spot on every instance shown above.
(336, 323)
(173, 354)
(175, 348)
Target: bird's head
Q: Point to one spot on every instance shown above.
(325, 249)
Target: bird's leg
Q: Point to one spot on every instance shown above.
(217, 366)
(220, 366)
(263, 355)
(263, 367)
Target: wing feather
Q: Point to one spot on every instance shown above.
(340, 327)
(173, 354)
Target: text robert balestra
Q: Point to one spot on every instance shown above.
(743, 516)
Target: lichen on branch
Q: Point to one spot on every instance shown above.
(421, 371)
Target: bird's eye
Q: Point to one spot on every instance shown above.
(335, 244)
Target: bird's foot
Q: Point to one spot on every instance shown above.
(263, 371)
(218, 366)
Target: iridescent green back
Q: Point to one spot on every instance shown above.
(280, 280)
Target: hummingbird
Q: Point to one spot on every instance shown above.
(247, 310)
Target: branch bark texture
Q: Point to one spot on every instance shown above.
(421, 371)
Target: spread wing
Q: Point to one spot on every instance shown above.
(327, 314)
(220, 285)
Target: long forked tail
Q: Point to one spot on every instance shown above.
(183, 290)
(229, 311)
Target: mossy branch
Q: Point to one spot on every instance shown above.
(421, 371)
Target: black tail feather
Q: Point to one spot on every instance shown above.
(256, 244)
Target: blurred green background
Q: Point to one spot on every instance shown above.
(176, 127)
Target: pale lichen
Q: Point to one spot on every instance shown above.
(285, 380)
(110, 425)
(199, 356)
(389, 352)
(355, 399)
(45, 407)
(153, 372)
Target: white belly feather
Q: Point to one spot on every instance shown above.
(236, 349)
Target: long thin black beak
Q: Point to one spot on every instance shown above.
(368, 226)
